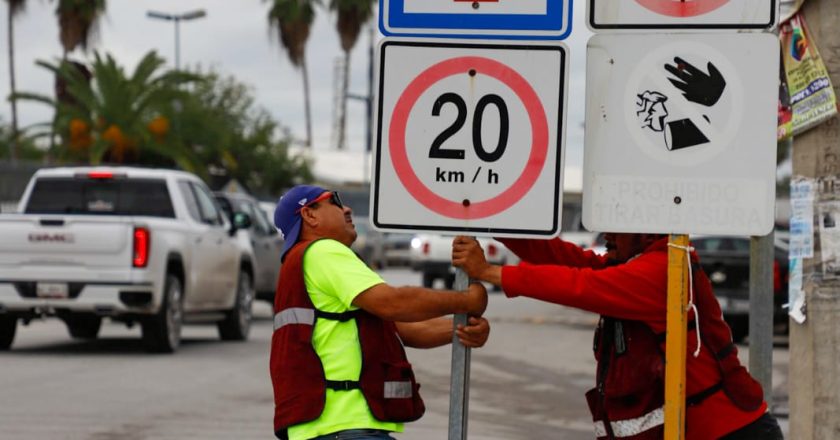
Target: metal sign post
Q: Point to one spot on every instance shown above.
(761, 313)
(469, 139)
(459, 394)
(675, 339)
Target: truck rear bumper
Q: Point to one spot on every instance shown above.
(102, 298)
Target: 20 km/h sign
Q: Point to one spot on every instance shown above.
(682, 14)
(517, 19)
(680, 133)
(469, 137)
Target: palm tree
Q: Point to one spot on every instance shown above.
(292, 20)
(352, 16)
(15, 7)
(78, 21)
(116, 115)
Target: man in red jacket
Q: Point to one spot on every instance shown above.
(628, 288)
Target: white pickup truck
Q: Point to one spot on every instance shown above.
(431, 254)
(135, 245)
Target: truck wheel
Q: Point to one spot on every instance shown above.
(237, 322)
(449, 281)
(83, 326)
(162, 331)
(8, 326)
(740, 329)
(428, 280)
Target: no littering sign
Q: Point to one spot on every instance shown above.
(469, 137)
(680, 133)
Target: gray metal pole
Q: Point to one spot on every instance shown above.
(459, 387)
(13, 140)
(761, 313)
(177, 43)
(369, 101)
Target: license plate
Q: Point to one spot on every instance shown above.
(739, 305)
(734, 305)
(52, 290)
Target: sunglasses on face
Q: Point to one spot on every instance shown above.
(332, 196)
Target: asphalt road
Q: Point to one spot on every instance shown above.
(527, 382)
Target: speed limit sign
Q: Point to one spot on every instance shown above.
(469, 137)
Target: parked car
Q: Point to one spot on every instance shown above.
(130, 244)
(261, 240)
(726, 261)
(268, 209)
(369, 244)
(581, 238)
(598, 244)
(397, 249)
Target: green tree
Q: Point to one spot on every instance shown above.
(292, 21)
(116, 117)
(15, 7)
(27, 150)
(352, 16)
(234, 138)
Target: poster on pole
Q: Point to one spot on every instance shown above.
(469, 137)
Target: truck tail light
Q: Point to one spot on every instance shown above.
(426, 248)
(142, 241)
(100, 175)
(777, 277)
(492, 250)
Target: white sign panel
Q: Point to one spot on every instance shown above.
(680, 133)
(469, 137)
(690, 15)
(517, 19)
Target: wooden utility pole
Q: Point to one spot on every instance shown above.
(814, 382)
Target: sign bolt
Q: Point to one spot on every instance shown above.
(476, 5)
(677, 200)
(472, 72)
(466, 203)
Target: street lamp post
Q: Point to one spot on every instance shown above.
(177, 18)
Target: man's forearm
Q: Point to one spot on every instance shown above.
(415, 304)
(412, 304)
(491, 274)
(426, 334)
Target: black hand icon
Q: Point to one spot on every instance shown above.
(696, 85)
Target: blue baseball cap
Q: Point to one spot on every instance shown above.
(287, 213)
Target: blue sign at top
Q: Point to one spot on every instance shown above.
(508, 19)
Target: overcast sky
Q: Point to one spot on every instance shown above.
(234, 40)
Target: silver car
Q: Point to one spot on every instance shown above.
(266, 241)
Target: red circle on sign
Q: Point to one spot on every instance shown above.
(539, 137)
(678, 8)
